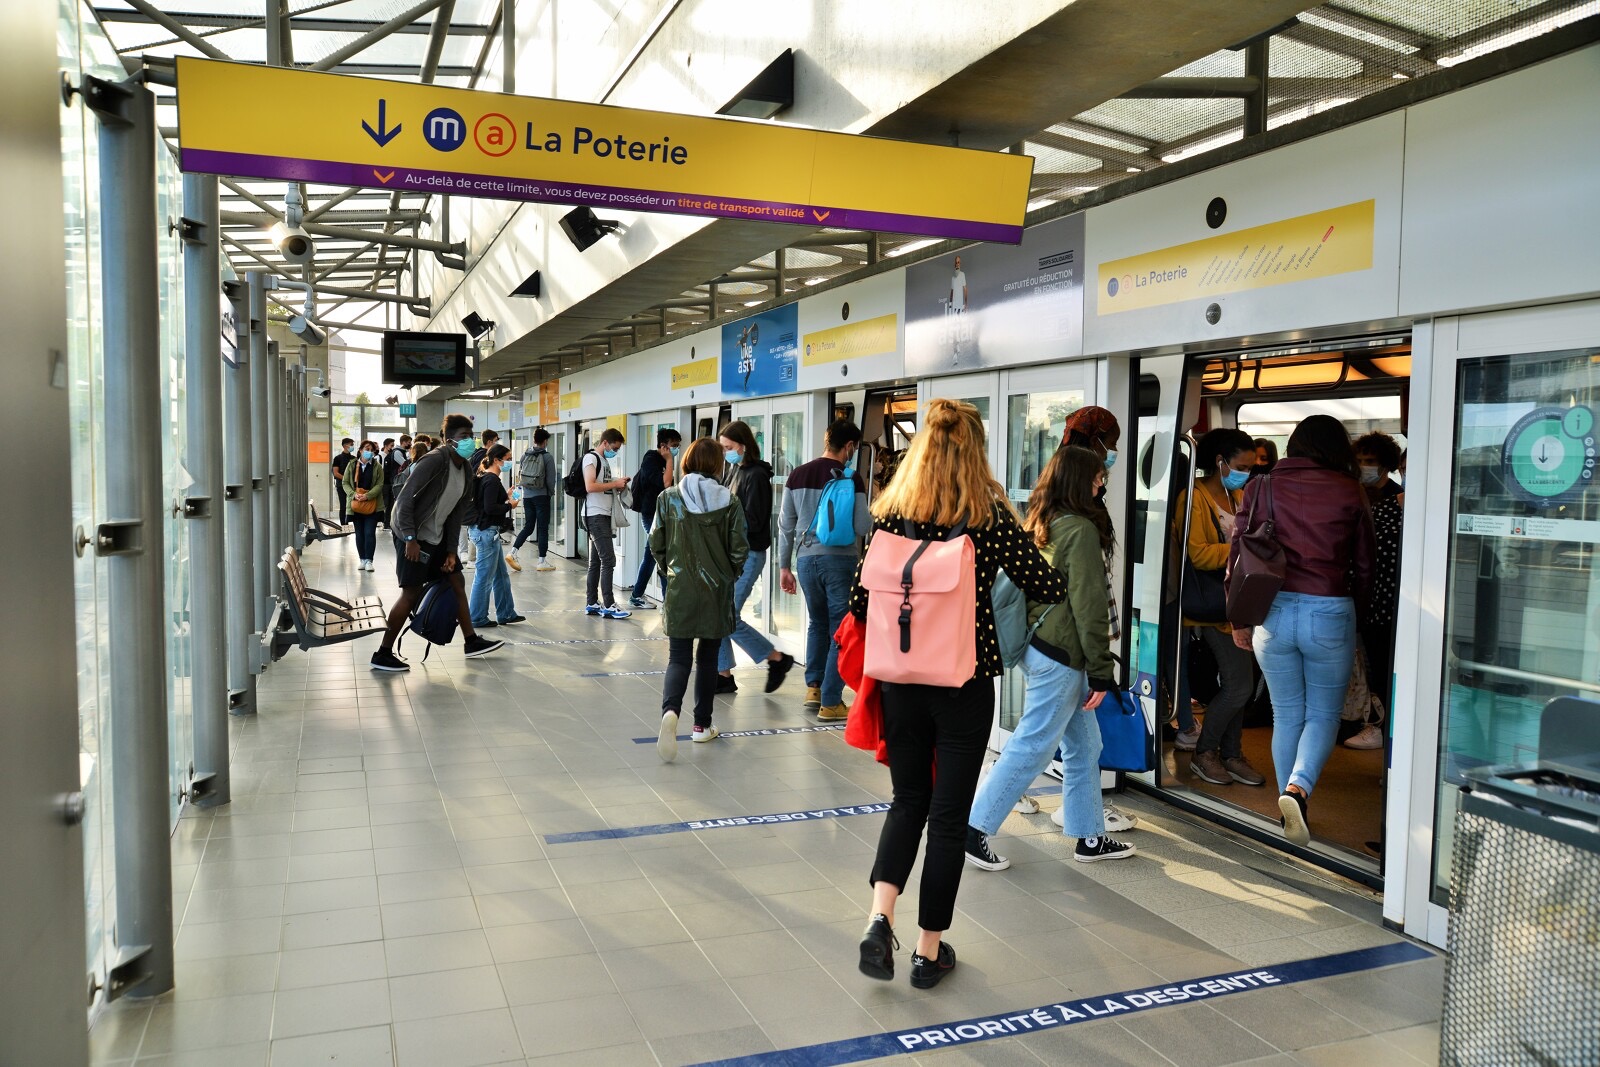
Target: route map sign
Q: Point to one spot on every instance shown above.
(245, 120)
(1550, 455)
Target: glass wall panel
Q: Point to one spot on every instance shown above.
(788, 443)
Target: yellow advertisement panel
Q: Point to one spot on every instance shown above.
(398, 135)
(571, 401)
(618, 423)
(531, 413)
(696, 372)
(549, 403)
(1318, 245)
(853, 340)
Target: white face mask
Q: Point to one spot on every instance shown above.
(1371, 476)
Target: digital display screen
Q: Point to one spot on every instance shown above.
(424, 358)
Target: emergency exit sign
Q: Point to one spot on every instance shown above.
(408, 411)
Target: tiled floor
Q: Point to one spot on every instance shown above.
(381, 889)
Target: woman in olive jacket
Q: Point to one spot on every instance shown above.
(700, 545)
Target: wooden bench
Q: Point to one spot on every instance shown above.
(321, 529)
(317, 617)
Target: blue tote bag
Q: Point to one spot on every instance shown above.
(1124, 738)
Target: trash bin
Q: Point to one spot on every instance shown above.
(1522, 982)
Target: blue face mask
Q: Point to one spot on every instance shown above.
(366, 454)
(675, 451)
(465, 448)
(1111, 459)
(732, 457)
(1233, 480)
(610, 453)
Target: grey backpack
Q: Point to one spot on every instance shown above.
(531, 471)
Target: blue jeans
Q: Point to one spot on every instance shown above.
(490, 575)
(647, 566)
(749, 638)
(1306, 649)
(537, 512)
(1052, 717)
(825, 581)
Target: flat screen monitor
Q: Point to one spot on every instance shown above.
(411, 358)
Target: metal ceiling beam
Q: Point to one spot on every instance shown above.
(367, 40)
(1376, 27)
(1192, 88)
(1105, 153)
(441, 30)
(280, 49)
(370, 217)
(253, 198)
(1370, 55)
(299, 22)
(343, 233)
(177, 29)
(508, 46)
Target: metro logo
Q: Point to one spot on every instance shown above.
(444, 129)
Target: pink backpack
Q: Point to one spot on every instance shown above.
(922, 609)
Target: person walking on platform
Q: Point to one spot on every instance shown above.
(419, 448)
(699, 543)
(537, 474)
(1306, 646)
(823, 523)
(393, 464)
(1068, 667)
(428, 513)
(600, 520)
(750, 478)
(345, 457)
(654, 477)
(363, 483)
(944, 487)
(491, 577)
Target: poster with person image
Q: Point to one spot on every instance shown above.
(760, 354)
(998, 305)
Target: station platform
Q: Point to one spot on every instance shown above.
(484, 862)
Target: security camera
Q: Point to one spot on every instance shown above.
(323, 392)
(292, 242)
(306, 330)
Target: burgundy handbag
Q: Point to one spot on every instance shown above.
(1258, 573)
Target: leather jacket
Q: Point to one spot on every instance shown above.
(1324, 525)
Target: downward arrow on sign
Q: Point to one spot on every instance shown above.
(822, 216)
(384, 178)
(382, 135)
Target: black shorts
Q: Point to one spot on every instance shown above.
(413, 575)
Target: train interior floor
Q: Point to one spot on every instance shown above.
(391, 885)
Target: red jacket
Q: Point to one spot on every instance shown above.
(1324, 525)
(864, 727)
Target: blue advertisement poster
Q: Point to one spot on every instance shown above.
(761, 354)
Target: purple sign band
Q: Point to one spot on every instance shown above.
(534, 190)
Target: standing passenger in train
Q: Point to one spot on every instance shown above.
(943, 482)
(1068, 667)
(698, 542)
(1226, 458)
(1266, 457)
(750, 478)
(825, 570)
(1306, 646)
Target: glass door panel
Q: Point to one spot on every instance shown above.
(788, 452)
(557, 446)
(754, 416)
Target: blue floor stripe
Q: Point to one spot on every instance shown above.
(590, 641)
(1066, 1013)
(830, 728)
(872, 808)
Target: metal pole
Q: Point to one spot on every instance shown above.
(274, 416)
(237, 510)
(202, 302)
(260, 465)
(132, 538)
(508, 45)
(1255, 102)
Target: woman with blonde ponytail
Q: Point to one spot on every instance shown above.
(943, 486)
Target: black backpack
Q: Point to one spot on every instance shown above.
(573, 484)
(435, 616)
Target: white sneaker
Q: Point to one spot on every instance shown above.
(1026, 805)
(1059, 817)
(1119, 822)
(1369, 738)
(703, 734)
(545, 565)
(667, 737)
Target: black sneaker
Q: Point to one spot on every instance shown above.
(1095, 849)
(479, 645)
(725, 684)
(777, 672)
(878, 945)
(1293, 808)
(388, 661)
(980, 855)
(486, 624)
(926, 973)
(513, 619)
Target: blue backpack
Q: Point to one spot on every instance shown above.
(435, 616)
(834, 523)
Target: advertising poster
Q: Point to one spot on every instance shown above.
(549, 403)
(998, 305)
(761, 354)
(853, 334)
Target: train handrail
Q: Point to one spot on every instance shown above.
(1457, 663)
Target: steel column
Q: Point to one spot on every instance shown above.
(238, 511)
(132, 538)
(508, 46)
(1255, 102)
(260, 464)
(202, 302)
(274, 415)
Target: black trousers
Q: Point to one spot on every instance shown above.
(338, 487)
(680, 652)
(921, 724)
(1224, 727)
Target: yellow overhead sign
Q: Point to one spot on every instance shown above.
(397, 135)
(1318, 245)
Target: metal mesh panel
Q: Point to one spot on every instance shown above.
(1522, 984)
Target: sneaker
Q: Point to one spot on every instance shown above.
(1059, 817)
(639, 603)
(1026, 805)
(1293, 808)
(544, 565)
(1369, 738)
(702, 734)
(486, 624)
(926, 973)
(667, 737)
(813, 699)
(834, 713)
(511, 561)
(388, 661)
(1239, 770)
(1118, 821)
(479, 645)
(513, 619)
(594, 609)
(980, 855)
(614, 612)
(1187, 740)
(778, 671)
(1207, 766)
(1095, 849)
(878, 944)
(726, 684)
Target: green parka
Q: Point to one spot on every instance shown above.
(1078, 631)
(701, 554)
